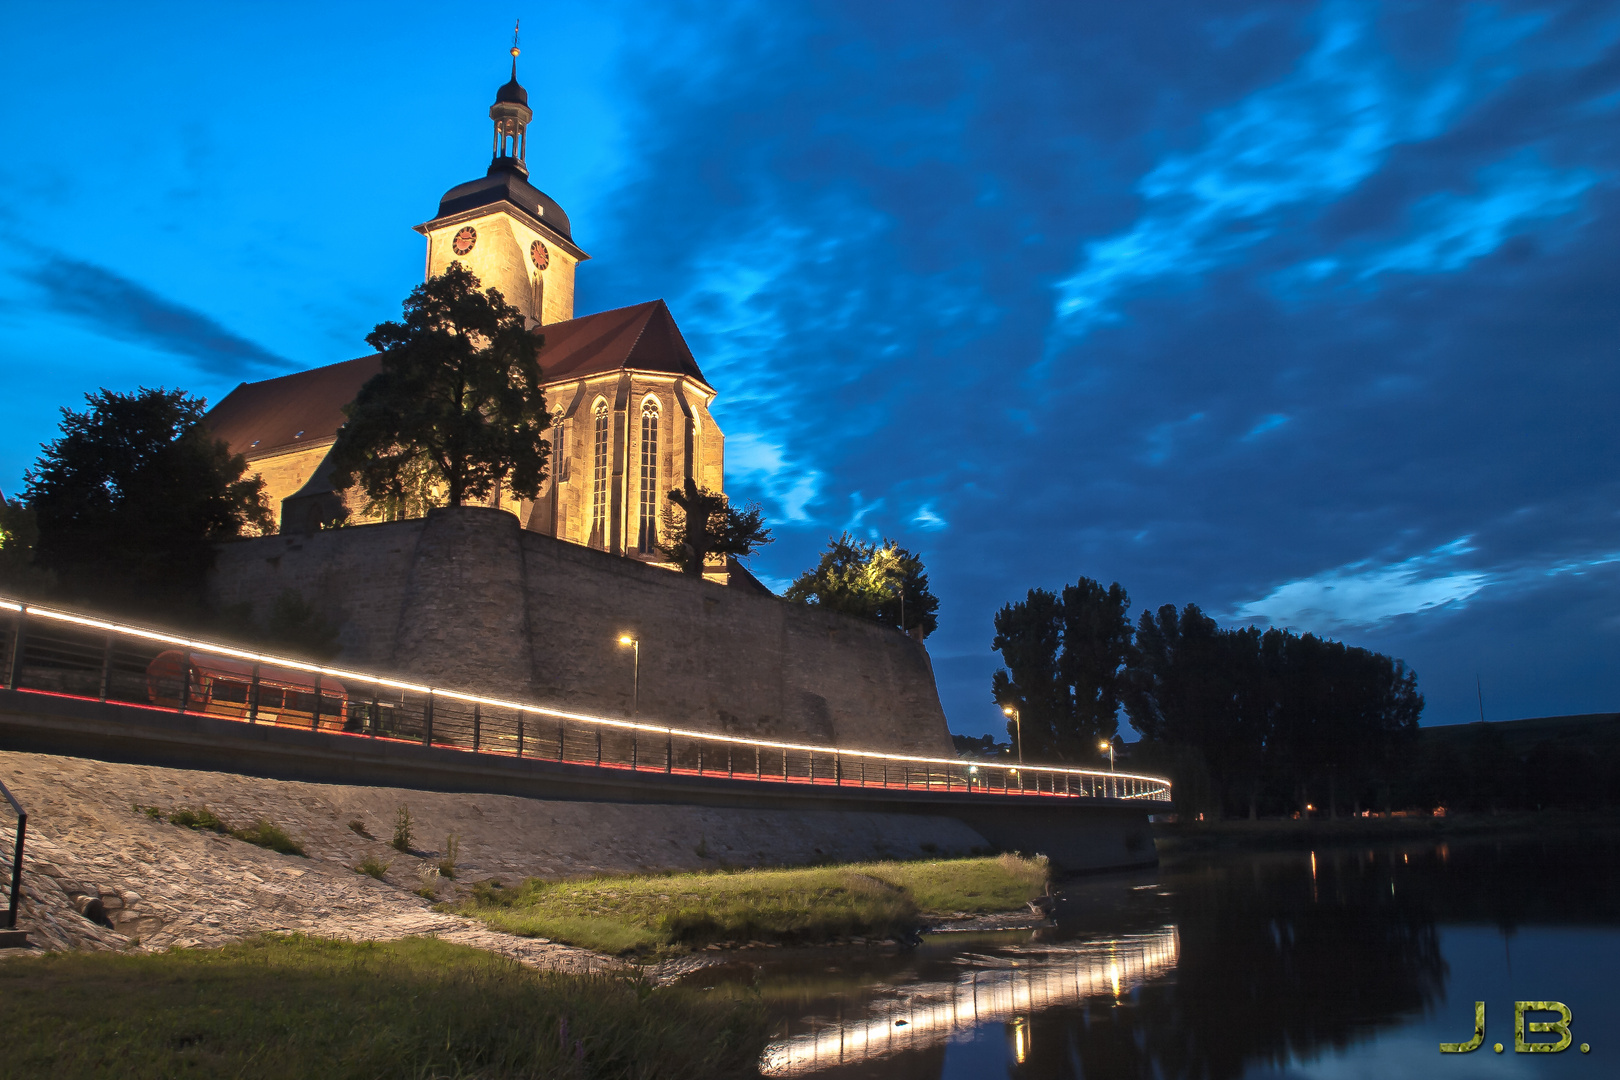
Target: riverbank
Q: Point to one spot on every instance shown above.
(1284, 833)
(656, 915)
(278, 1006)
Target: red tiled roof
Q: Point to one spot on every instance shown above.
(642, 337)
(293, 410)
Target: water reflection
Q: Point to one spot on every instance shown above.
(1000, 988)
(1211, 967)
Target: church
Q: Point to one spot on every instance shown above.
(630, 407)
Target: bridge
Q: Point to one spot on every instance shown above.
(74, 683)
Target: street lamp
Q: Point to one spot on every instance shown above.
(1018, 726)
(635, 692)
(1108, 745)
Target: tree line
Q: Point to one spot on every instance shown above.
(1245, 721)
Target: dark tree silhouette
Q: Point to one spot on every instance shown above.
(131, 499)
(1063, 656)
(458, 406)
(700, 524)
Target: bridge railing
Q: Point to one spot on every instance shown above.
(61, 653)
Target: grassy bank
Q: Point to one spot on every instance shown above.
(645, 914)
(279, 1007)
(1274, 833)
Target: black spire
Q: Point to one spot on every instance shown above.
(511, 114)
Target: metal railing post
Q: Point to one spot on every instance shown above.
(633, 751)
(599, 746)
(427, 723)
(669, 752)
(520, 735)
(376, 711)
(253, 695)
(185, 680)
(562, 733)
(106, 667)
(478, 721)
(16, 859)
(315, 713)
(14, 663)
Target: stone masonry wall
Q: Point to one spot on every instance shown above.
(467, 599)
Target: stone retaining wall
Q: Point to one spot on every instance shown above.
(467, 599)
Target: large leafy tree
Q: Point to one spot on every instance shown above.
(458, 406)
(884, 583)
(700, 524)
(131, 499)
(1064, 654)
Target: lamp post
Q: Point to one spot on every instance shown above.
(1108, 745)
(1018, 726)
(635, 685)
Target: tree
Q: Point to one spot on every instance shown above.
(700, 523)
(133, 496)
(883, 583)
(458, 397)
(19, 538)
(1190, 683)
(1029, 636)
(1096, 647)
(1064, 655)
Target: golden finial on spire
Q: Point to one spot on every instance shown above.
(515, 49)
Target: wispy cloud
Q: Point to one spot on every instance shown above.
(1365, 594)
(1306, 141)
(114, 306)
(757, 462)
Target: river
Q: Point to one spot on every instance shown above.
(1336, 963)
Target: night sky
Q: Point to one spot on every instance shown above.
(1305, 313)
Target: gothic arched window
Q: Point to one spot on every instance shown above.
(599, 477)
(648, 538)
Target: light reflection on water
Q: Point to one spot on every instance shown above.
(1329, 964)
(993, 989)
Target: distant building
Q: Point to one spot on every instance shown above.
(630, 404)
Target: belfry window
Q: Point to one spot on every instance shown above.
(599, 477)
(648, 538)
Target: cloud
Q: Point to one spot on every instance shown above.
(1363, 594)
(117, 307)
(1311, 139)
(1452, 230)
(752, 460)
(928, 518)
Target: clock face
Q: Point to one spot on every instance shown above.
(464, 241)
(541, 257)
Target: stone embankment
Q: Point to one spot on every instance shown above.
(93, 851)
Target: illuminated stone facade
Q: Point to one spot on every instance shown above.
(630, 406)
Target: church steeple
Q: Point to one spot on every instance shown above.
(511, 114)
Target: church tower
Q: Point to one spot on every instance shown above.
(502, 228)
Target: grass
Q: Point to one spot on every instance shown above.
(202, 819)
(648, 914)
(403, 837)
(263, 832)
(372, 867)
(266, 834)
(298, 1006)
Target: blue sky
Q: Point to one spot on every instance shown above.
(1305, 313)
